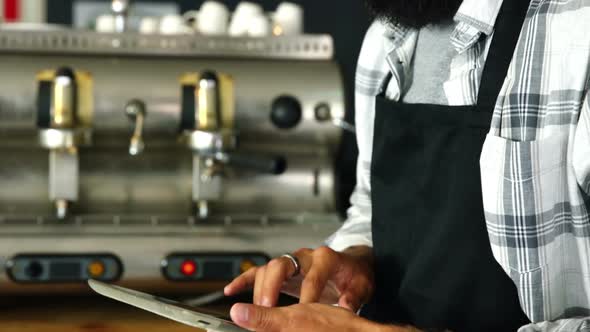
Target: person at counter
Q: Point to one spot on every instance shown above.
(453, 226)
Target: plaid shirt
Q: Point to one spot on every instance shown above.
(535, 162)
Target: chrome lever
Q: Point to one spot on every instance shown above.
(346, 126)
(136, 111)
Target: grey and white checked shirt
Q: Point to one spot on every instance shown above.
(535, 162)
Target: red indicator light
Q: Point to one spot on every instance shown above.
(188, 268)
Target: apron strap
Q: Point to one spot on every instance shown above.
(506, 34)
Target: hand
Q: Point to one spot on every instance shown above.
(305, 318)
(327, 276)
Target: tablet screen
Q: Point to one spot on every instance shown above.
(210, 312)
(159, 305)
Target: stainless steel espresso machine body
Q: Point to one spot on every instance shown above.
(161, 162)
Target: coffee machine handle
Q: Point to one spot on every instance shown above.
(136, 111)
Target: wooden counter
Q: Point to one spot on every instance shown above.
(94, 314)
(79, 314)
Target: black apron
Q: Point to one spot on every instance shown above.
(434, 267)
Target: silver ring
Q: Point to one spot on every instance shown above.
(295, 262)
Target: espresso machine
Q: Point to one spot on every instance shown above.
(163, 163)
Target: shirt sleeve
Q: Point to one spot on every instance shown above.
(581, 162)
(372, 69)
(564, 325)
(356, 231)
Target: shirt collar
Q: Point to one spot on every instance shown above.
(479, 14)
(474, 18)
(396, 33)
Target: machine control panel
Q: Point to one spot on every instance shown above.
(209, 267)
(63, 268)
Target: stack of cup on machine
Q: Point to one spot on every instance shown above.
(174, 25)
(105, 24)
(288, 20)
(213, 19)
(249, 19)
(149, 25)
(171, 24)
(245, 16)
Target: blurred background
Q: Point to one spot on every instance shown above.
(167, 146)
(346, 21)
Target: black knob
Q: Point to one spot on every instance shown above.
(34, 270)
(286, 112)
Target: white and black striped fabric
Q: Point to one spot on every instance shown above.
(536, 160)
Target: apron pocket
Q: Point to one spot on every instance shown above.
(525, 196)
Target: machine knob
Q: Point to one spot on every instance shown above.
(286, 112)
(34, 270)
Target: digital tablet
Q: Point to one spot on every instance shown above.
(167, 308)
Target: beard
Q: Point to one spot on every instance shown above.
(414, 13)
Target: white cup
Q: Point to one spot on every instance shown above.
(248, 9)
(288, 19)
(238, 26)
(173, 25)
(105, 24)
(241, 19)
(213, 19)
(259, 26)
(149, 25)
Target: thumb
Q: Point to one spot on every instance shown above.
(256, 318)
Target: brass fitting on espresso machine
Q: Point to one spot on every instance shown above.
(208, 130)
(64, 115)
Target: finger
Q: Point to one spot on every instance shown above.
(259, 284)
(277, 272)
(350, 302)
(292, 286)
(330, 294)
(243, 282)
(324, 260)
(305, 258)
(255, 318)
